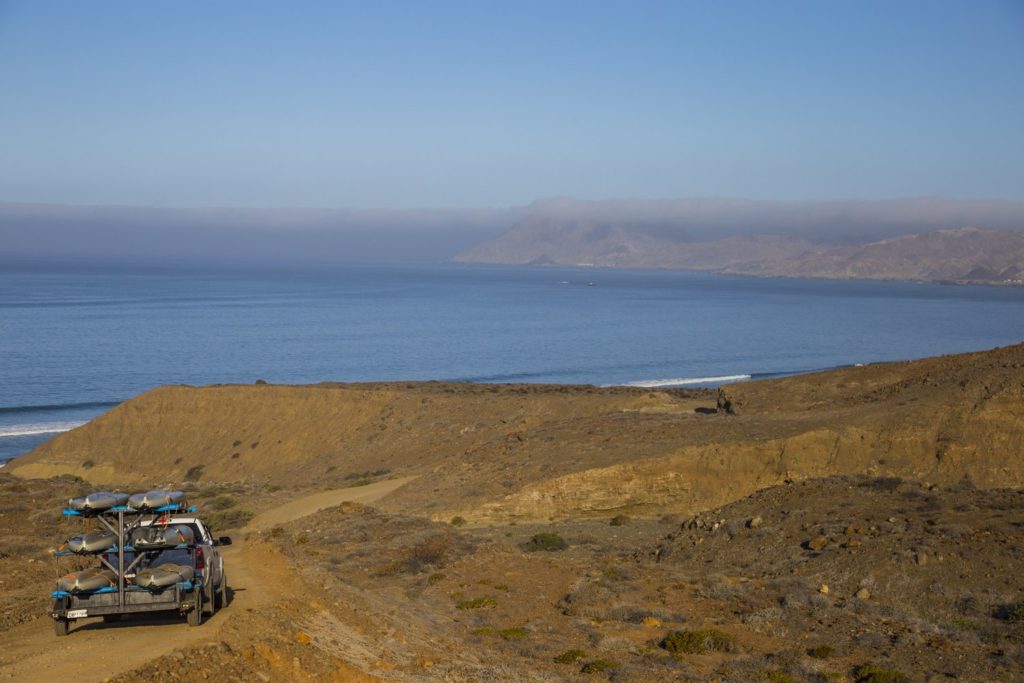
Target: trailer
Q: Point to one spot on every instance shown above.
(185, 577)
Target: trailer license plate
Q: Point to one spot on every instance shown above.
(77, 613)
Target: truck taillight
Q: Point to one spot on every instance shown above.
(200, 561)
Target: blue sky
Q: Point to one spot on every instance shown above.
(428, 104)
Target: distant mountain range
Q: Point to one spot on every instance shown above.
(907, 239)
(893, 240)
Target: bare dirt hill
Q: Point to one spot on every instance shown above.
(861, 525)
(520, 452)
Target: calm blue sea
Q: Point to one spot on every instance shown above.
(73, 343)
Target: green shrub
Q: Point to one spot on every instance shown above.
(1013, 613)
(698, 642)
(436, 577)
(194, 473)
(619, 520)
(234, 518)
(87, 464)
(221, 502)
(570, 657)
(778, 676)
(872, 673)
(547, 541)
(458, 521)
(513, 633)
(477, 603)
(430, 552)
(821, 652)
(599, 665)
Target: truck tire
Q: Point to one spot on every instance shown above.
(222, 592)
(211, 602)
(195, 615)
(61, 626)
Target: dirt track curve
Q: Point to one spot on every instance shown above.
(257, 575)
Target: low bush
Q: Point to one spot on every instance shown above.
(428, 553)
(619, 520)
(513, 633)
(872, 673)
(821, 652)
(698, 642)
(477, 603)
(570, 657)
(547, 542)
(599, 665)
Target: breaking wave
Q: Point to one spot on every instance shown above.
(685, 381)
(36, 429)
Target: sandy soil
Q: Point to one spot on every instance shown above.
(258, 575)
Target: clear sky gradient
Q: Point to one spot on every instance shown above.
(426, 104)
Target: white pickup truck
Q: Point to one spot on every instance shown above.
(206, 591)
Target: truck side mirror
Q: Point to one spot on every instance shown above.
(223, 540)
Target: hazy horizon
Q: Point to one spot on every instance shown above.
(296, 235)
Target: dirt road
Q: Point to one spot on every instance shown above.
(93, 651)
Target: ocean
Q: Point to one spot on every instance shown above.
(75, 342)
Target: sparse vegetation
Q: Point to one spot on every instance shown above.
(193, 473)
(513, 633)
(458, 521)
(1013, 612)
(599, 666)
(619, 520)
(821, 652)
(778, 676)
(698, 642)
(430, 552)
(87, 464)
(872, 673)
(232, 518)
(546, 541)
(570, 657)
(483, 602)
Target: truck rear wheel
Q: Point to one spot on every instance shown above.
(222, 592)
(195, 615)
(211, 602)
(61, 626)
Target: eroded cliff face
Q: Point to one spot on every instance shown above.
(492, 453)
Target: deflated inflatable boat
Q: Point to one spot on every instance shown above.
(163, 576)
(160, 538)
(92, 543)
(158, 498)
(97, 502)
(86, 581)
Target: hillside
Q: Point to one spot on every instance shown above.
(506, 452)
(966, 256)
(881, 241)
(857, 525)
